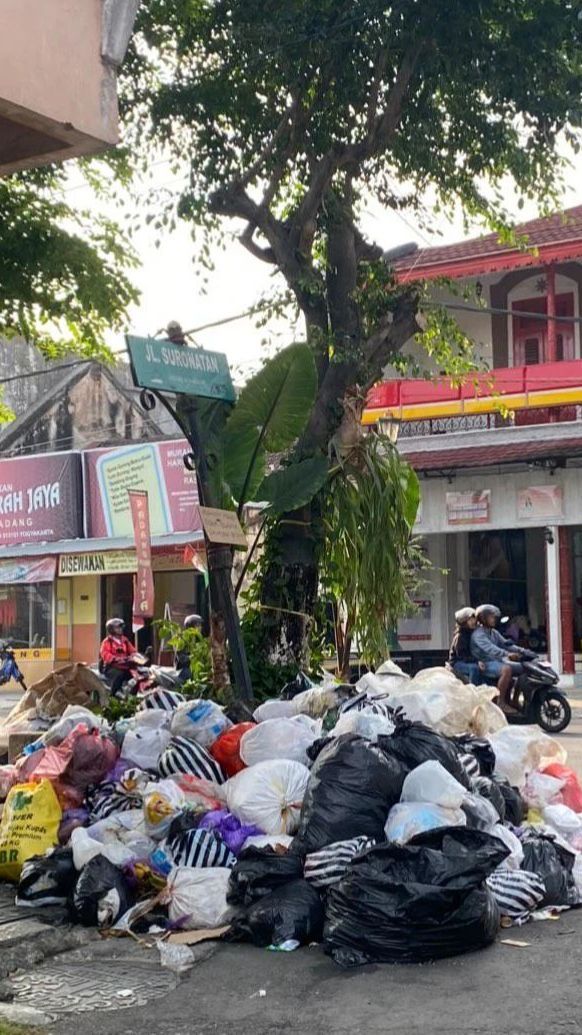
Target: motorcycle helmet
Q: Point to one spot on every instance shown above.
(193, 622)
(114, 624)
(464, 615)
(488, 609)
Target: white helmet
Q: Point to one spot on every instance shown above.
(463, 616)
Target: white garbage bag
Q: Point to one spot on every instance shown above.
(73, 715)
(431, 783)
(316, 701)
(279, 738)
(436, 697)
(199, 720)
(196, 897)
(388, 679)
(521, 749)
(515, 859)
(269, 794)
(408, 819)
(566, 822)
(162, 802)
(86, 848)
(274, 710)
(146, 740)
(541, 790)
(366, 723)
(268, 841)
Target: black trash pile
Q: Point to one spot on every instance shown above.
(401, 845)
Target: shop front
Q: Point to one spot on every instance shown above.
(513, 541)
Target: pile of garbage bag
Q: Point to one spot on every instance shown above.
(392, 821)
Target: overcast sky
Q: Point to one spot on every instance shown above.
(171, 291)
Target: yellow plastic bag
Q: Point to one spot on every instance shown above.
(29, 826)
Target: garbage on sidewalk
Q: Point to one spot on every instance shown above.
(393, 821)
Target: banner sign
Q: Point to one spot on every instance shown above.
(540, 501)
(469, 508)
(167, 367)
(417, 627)
(153, 467)
(118, 562)
(15, 572)
(143, 602)
(40, 498)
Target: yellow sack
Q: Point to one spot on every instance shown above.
(29, 826)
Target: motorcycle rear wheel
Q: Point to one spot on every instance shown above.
(553, 712)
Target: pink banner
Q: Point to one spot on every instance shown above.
(153, 467)
(40, 498)
(39, 569)
(143, 600)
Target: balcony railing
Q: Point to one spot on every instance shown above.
(483, 421)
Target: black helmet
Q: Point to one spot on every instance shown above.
(193, 622)
(114, 623)
(488, 609)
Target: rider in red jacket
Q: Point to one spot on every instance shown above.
(116, 654)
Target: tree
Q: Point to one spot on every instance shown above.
(63, 271)
(292, 115)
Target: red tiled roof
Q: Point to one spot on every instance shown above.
(489, 456)
(557, 237)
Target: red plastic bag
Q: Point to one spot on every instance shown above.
(571, 793)
(226, 749)
(53, 762)
(92, 758)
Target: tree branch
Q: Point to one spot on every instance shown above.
(392, 332)
(246, 239)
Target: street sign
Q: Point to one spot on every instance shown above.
(166, 367)
(222, 526)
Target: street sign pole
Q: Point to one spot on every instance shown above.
(162, 366)
(222, 597)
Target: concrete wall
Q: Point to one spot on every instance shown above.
(50, 65)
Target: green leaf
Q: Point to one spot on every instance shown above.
(270, 414)
(411, 495)
(293, 486)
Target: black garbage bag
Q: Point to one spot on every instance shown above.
(416, 902)
(515, 807)
(299, 685)
(489, 789)
(294, 911)
(553, 863)
(413, 743)
(352, 787)
(47, 880)
(102, 894)
(260, 871)
(480, 748)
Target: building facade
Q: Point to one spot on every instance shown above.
(500, 457)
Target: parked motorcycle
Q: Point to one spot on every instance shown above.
(538, 699)
(9, 666)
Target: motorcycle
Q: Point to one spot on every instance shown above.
(138, 679)
(538, 699)
(9, 666)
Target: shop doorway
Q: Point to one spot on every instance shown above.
(505, 570)
(182, 591)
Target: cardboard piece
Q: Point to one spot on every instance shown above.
(195, 937)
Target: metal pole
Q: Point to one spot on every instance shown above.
(219, 557)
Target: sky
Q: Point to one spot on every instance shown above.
(170, 290)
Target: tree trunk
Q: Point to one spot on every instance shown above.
(220, 673)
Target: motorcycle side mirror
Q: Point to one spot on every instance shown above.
(504, 620)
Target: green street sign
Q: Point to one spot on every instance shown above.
(177, 368)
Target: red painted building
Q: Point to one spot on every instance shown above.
(500, 456)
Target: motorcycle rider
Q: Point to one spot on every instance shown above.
(116, 654)
(501, 656)
(461, 660)
(183, 656)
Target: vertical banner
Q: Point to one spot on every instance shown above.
(143, 597)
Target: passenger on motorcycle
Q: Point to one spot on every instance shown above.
(116, 654)
(501, 656)
(461, 660)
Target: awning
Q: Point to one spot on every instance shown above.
(96, 545)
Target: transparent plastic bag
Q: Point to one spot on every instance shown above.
(521, 749)
(515, 858)
(431, 783)
(146, 740)
(407, 820)
(365, 723)
(541, 790)
(199, 720)
(196, 898)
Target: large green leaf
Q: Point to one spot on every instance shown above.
(411, 500)
(293, 486)
(270, 413)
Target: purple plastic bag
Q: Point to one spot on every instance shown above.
(72, 818)
(231, 830)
